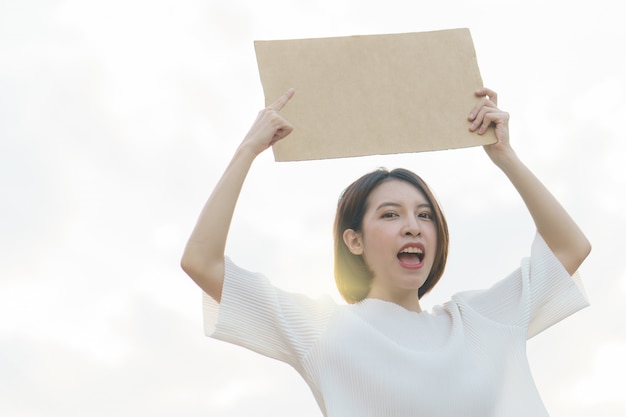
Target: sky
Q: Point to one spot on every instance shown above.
(118, 117)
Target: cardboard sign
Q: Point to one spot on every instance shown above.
(375, 94)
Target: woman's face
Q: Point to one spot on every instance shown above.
(398, 240)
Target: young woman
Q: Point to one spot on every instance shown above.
(381, 355)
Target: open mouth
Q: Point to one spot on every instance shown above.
(411, 255)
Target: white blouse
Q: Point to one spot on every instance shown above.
(375, 358)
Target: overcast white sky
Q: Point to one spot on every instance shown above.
(117, 118)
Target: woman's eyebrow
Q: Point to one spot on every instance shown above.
(388, 204)
(396, 205)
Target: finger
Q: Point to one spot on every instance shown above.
(282, 100)
(487, 121)
(281, 133)
(487, 92)
(492, 118)
(482, 104)
(485, 112)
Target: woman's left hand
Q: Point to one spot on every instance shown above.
(484, 115)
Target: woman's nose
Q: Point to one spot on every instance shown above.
(411, 227)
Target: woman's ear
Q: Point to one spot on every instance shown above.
(353, 241)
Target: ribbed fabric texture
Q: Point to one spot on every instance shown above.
(374, 358)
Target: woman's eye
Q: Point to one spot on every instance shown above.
(389, 215)
(426, 216)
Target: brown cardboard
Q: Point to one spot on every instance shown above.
(375, 94)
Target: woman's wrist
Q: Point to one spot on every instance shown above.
(505, 159)
(246, 152)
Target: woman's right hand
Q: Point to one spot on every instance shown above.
(269, 126)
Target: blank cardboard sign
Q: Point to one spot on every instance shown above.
(374, 94)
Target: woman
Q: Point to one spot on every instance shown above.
(381, 355)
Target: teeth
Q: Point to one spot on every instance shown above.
(412, 250)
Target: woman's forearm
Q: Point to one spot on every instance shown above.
(554, 224)
(203, 258)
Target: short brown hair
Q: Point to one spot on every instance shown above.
(352, 275)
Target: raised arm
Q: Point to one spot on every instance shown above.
(203, 258)
(557, 228)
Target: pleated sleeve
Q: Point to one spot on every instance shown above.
(537, 295)
(260, 317)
